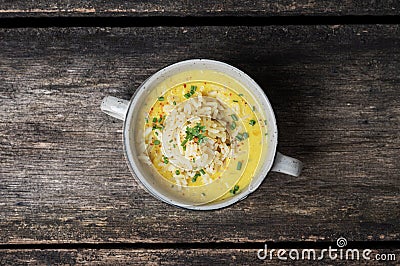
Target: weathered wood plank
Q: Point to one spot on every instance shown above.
(181, 257)
(195, 8)
(63, 177)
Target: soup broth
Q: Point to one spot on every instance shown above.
(200, 131)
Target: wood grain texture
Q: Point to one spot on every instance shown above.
(70, 8)
(173, 257)
(63, 176)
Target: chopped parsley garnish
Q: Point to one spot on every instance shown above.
(157, 142)
(160, 119)
(154, 119)
(194, 179)
(202, 139)
(174, 103)
(235, 101)
(184, 143)
(161, 98)
(234, 117)
(166, 160)
(146, 119)
(240, 94)
(239, 136)
(239, 166)
(252, 122)
(156, 127)
(242, 136)
(234, 189)
(265, 122)
(156, 133)
(194, 132)
(177, 172)
(202, 172)
(233, 125)
(191, 92)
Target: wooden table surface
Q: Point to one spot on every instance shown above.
(67, 195)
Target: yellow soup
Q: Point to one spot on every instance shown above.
(199, 131)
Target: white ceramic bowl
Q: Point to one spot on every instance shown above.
(128, 111)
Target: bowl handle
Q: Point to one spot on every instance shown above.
(115, 107)
(287, 165)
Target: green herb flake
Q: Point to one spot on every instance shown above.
(160, 119)
(203, 194)
(254, 108)
(235, 101)
(156, 133)
(171, 140)
(195, 132)
(239, 136)
(157, 142)
(234, 189)
(234, 117)
(202, 139)
(177, 172)
(146, 119)
(245, 135)
(161, 98)
(252, 122)
(240, 94)
(194, 179)
(202, 172)
(154, 119)
(191, 92)
(166, 160)
(174, 146)
(233, 125)
(239, 166)
(265, 122)
(174, 103)
(184, 142)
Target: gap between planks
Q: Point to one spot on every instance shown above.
(190, 21)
